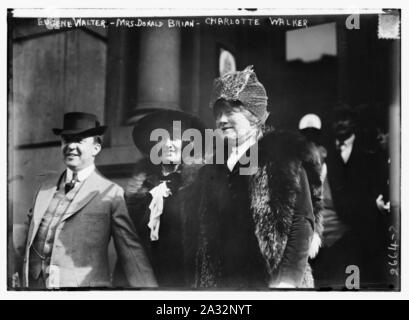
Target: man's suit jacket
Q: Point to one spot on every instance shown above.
(80, 250)
(353, 186)
(354, 189)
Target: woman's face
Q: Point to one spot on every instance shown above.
(172, 151)
(233, 123)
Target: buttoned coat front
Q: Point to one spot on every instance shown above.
(80, 250)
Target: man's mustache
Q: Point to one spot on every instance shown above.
(70, 153)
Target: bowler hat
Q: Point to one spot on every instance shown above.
(162, 119)
(80, 123)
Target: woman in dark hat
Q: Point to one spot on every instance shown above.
(157, 191)
(255, 226)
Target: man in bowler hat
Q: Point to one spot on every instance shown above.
(74, 216)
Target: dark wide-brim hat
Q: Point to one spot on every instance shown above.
(162, 119)
(81, 124)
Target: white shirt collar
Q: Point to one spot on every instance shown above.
(346, 148)
(348, 142)
(81, 175)
(238, 151)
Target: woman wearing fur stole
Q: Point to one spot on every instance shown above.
(259, 210)
(157, 191)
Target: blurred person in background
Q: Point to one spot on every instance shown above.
(310, 127)
(353, 227)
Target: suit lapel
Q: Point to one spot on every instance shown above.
(353, 155)
(88, 190)
(43, 199)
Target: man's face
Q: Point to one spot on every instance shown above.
(343, 128)
(233, 124)
(79, 153)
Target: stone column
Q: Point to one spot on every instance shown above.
(158, 72)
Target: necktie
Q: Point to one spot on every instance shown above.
(341, 148)
(343, 152)
(70, 185)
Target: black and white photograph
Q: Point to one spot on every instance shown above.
(211, 150)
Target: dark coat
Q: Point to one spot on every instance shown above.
(282, 210)
(355, 186)
(167, 255)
